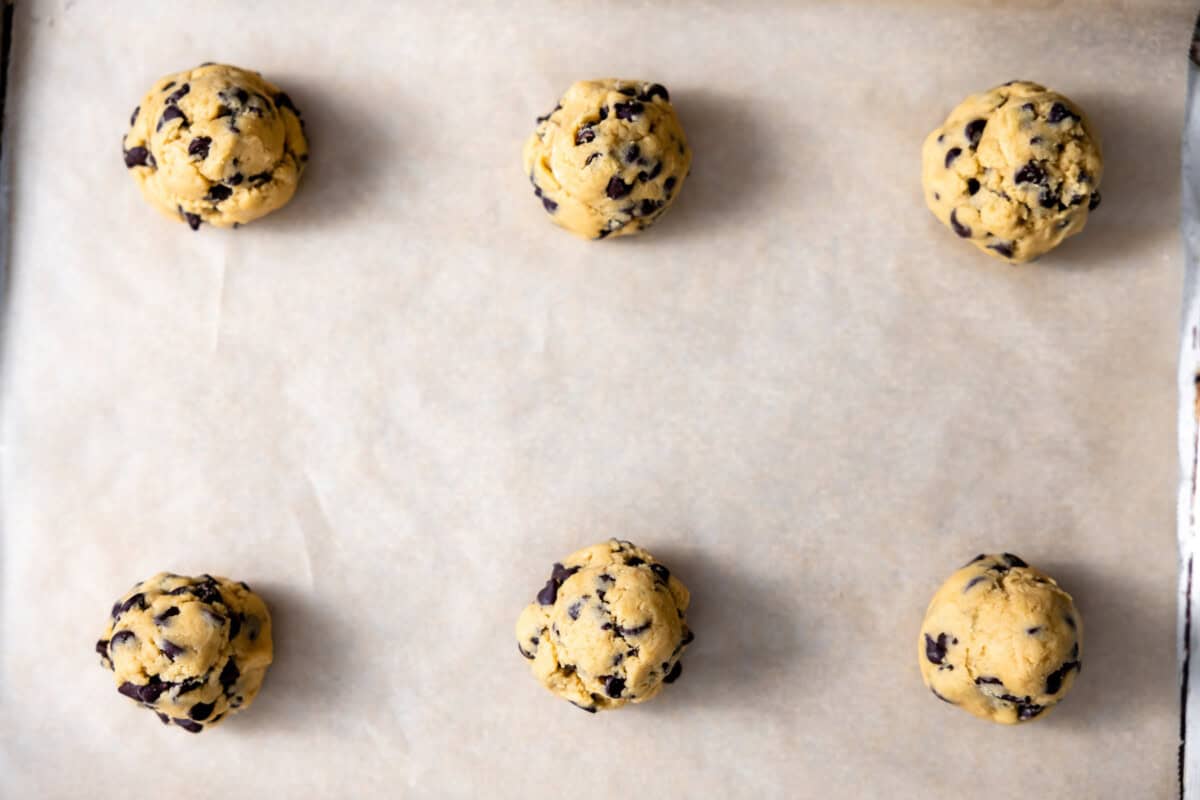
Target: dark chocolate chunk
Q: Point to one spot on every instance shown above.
(614, 686)
(193, 221)
(584, 135)
(633, 153)
(177, 95)
(171, 112)
(188, 725)
(1030, 173)
(1015, 561)
(171, 650)
(229, 674)
(659, 569)
(102, 648)
(167, 86)
(549, 205)
(675, 672)
(935, 649)
(958, 227)
(138, 157)
(647, 208)
(218, 192)
(617, 188)
(589, 709)
(993, 681)
(1034, 631)
(574, 609)
(198, 147)
(146, 693)
(669, 184)
(138, 600)
(1070, 621)
(191, 685)
(559, 573)
(979, 557)
(974, 131)
(951, 154)
(242, 95)
(121, 637)
(1049, 199)
(1054, 681)
(233, 180)
(163, 718)
(654, 90)
(972, 186)
(1005, 249)
(201, 711)
(688, 637)
(235, 625)
(1059, 112)
(548, 594)
(133, 116)
(591, 158)
(258, 179)
(1027, 711)
(978, 579)
(283, 101)
(634, 561)
(523, 652)
(1093, 201)
(162, 618)
(635, 631)
(628, 110)
(628, 91)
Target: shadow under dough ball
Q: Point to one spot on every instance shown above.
(217, 145)
(608, 628)
(192, 650)
(609, 159)
(1014, 170)
(1001, 640)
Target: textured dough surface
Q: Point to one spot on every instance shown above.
(609, 159)
(216, 144)
(1001, 640)
(193, 650)
(608, 628)
(1015, 170)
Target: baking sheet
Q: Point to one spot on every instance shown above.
(391, 406)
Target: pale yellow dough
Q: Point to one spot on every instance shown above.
(193, 650)
(608, 628)
(1001, 640)
(610, 159)
(217, 145)
(1015, 170)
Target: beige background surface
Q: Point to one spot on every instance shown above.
(393, 405)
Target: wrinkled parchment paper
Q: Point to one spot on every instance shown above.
(393, 405)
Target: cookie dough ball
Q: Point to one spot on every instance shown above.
(608, 628)
(1001, 640)
(1015, 170)
(192, 650)
(216, 144)
(609, 159)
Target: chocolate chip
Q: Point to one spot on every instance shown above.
(121, 637)
(223, 111)
(951, 154)
(172, 112)
(259, 179)
(188, 725)
(163, 718)
(993, 681)
(190, 685)
(146, 693)
(1034, 630)
(675, 672)
(283, 101)
(1054, 680)
(133, 116)
(940, 697)
(234, 180)
(1005, 249)
(979, 557)
(632, 154)
(1027, 711)
(102, 648)
(974, 131)
(235, 626)
(1049, 199)
(646, 209)
(655, 90)
(1093, 201)
(548, 594)
(167, 87)
(1015, 561)
(567, 669)
(242, 584)
(688, 637)
(218, 192)
(1030, 173)
(229, 674)
(608, 626)
(523, 652)
(1059, 112)
(198, 147)
(935, 649)
(137, 157)
(588, 709)
(177, 95)
(669, 184)
(958, 227)
(162, 618)
(574, 609)
(584, 135)
(658, 569)
(1070, 621)
(617, 188)
(1075, 655)
(635, 631)
(242, 95)
(628, 91)
(193, 221)
(201, 711)
(974, 582)
(634, 561)
(591, 158)
(972, 186)
(614, 686)
(171, 650)
(628, 110)
(549, 205)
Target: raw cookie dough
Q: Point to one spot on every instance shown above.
(192, 650)
(1015, 170)
(609, 159)
(216, 144)
(608, 628)
(1001, 640)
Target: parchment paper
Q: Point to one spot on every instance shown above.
(393, 405)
